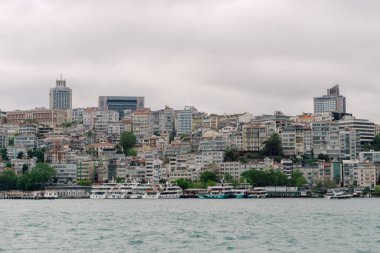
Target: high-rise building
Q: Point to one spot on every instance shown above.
(61, 96)
(332, 102)
(120, 104)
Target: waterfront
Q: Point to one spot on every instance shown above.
(184, 225)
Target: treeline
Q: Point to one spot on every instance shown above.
(256, 178)
(34, 179)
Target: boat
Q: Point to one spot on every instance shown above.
(221, 191)
(193, 193)
(101, 191)
(337, 194)
(151, 195)
(258, 192)
(171, 192)
(50, 195)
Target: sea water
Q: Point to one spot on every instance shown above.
(190, 225)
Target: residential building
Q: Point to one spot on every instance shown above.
(184, 120)
(364, 128)
(369, 156)
(326, 138)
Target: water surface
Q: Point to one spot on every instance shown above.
(190, 225)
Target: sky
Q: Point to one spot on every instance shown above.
(219, 56)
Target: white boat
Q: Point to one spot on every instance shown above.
(101, 191)
(221, 191)
(337, 194)
(258, 192)
(171, 192)
(50, 195)
(151, 195)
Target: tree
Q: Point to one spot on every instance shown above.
(184, 183)
(127, 141)
(230, 179)
(376, 143)
(38, 153)
(120, 180)
(297, 179)
(377, 191)
(20, 155)
(84, 182)
(231, 155)
(273, 146)
(37, 178)
(11, 141)
(8, 164)
(263, 178)
(8, 180)
(132, 152)
(323, 157)
(25, 168)
(208, 176)
(4, 154)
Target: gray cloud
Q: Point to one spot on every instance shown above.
(221, 56)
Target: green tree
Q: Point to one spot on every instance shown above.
(8, 164)
(11, 141)
(228, 178)
(376, 143)
(4, 154)
(273, 146)
(207, 176)
(84, 182)
(127, 141)
(120, 180)
(231, 155)
(38, 153)
(297, 179)
(377, 191)
(131, 152)
(20, 155)
(261, 178)
(37, 177)
(184, 183)
(323, 157)
(8, 180)
(25, 168)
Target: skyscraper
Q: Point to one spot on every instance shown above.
(60, 96)
(120, 104)
(332, 102)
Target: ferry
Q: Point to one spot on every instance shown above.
(50, 195)
(101, 191)
(258, 192)
(171, 192)
(221, 191)
(337, 194)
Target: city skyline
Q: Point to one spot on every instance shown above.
(141, 49)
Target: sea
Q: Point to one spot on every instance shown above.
(190, 225)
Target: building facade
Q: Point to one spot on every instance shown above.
(120, 104)
(61, 96)
(332, 102)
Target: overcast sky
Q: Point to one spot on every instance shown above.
(220, 56)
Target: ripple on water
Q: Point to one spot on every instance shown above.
(273, 225)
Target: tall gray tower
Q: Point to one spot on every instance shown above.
(61, 96)
(332, 102)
